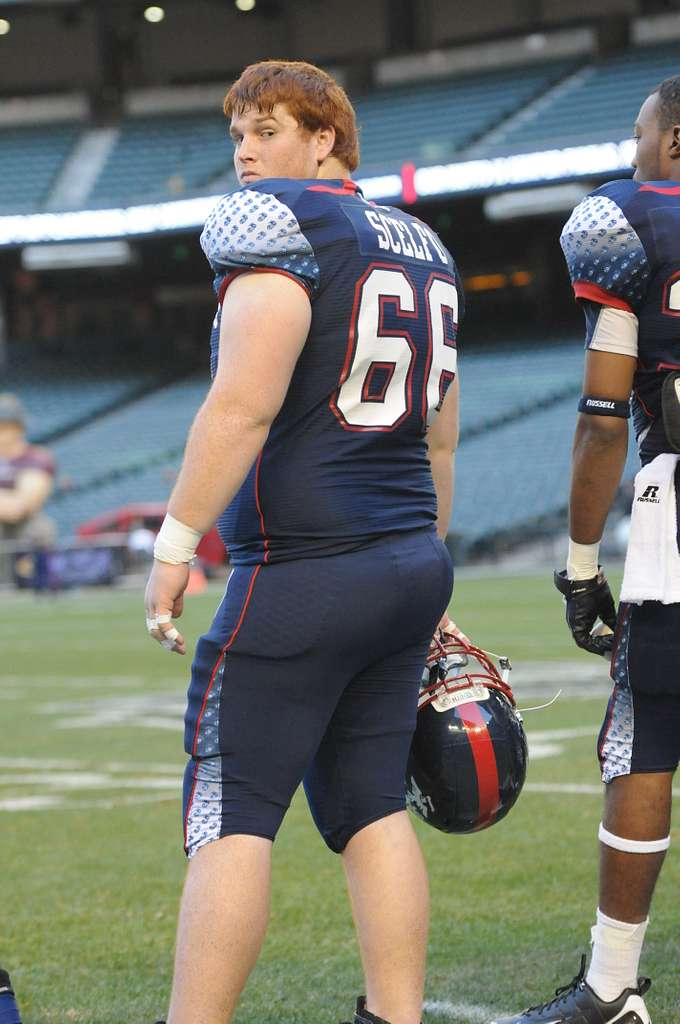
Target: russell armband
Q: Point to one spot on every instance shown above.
(604, 407)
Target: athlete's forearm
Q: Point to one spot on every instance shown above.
(30, 494)
(15, 507)
(11, 508)
(599, 455)
(223, 443)
(442, 465)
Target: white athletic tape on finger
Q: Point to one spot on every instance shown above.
(632, 845)
(164, 619)
(171, 634)
(168, 644)
(151, 624)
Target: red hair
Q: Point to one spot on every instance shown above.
(312, 97)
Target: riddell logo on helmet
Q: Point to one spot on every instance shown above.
(650, 494)
(445, 700)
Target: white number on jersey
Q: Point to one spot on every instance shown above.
(394, 352)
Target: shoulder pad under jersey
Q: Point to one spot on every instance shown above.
(605, 255)
(255, 228)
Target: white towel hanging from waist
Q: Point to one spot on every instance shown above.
(652, 570)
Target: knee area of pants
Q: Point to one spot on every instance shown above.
(337, 837)
(632, 845)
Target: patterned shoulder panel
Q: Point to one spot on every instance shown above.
(255, 229)
(606, 258)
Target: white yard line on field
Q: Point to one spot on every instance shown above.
(29, 681)
(19, 763)
(58, 781)
(48, 764)
(569, 788)
(53, 803)
(550, 735)
(31, 803)
(469, 1013)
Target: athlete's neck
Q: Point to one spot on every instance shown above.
(333, 168)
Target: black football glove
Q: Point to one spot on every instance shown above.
(586, 601)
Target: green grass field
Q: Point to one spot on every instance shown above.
(91, 864)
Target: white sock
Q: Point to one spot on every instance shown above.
(617, 946)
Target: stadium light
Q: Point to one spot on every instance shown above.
(77, 255)
(524, 168)
(535, 202)
(245, 5)
(5, 26)
(154, 14)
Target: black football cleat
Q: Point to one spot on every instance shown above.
(364, 1016)
(576, 1003)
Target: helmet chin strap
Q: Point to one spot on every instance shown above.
(541, 707)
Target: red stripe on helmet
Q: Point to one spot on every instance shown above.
(485, 763)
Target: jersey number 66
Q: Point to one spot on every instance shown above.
(394, 352)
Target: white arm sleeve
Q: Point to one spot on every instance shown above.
(616, 331)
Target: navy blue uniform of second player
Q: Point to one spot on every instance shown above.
(622, 246)
(332, 533)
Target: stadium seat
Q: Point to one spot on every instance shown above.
(599, 105)
(30, 159)
(76, 392)
(433, 122)
(510, 404)
(164, 157)
(125, 456)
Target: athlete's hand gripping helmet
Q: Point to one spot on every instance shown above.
(468, 757)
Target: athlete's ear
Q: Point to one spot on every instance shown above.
(674, 149)
(325, 140)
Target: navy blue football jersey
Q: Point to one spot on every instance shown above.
(346, 457)
(622, 247)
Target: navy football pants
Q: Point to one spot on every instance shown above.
(641, 730)
(311, 671)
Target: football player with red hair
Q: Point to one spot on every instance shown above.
(310, 96)
(324, 452)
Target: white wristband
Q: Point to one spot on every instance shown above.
(582, 560)
(175, 543)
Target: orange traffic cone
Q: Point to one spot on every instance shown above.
(197, 584)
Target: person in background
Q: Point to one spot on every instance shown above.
(26, 482)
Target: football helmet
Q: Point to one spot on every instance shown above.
(468, 757)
